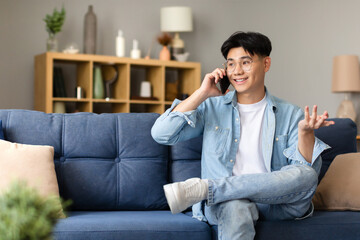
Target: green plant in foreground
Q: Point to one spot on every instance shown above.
(55, 21)
(24, 214)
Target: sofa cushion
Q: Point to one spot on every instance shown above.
(31, 164)
(185, 160)
(344, 129)
(102, 161)
(322, 225)
(339, 188)
(130, 225)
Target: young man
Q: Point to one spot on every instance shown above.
(259, 155)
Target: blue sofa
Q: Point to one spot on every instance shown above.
(113, 171)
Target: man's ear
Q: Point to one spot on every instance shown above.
(267, 63)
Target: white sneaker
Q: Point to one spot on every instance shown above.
(182, 195)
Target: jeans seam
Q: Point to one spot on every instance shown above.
(220, 221)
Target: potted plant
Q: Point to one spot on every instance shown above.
(24, 214)
(164, 39)
(54, 23)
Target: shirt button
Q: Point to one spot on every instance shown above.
(216, 128)
(236, 140)
(189, 122)
(237, 119)
(277, 139)
(231, 160)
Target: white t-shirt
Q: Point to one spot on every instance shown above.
(249, 158)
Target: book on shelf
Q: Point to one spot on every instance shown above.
(58, 83)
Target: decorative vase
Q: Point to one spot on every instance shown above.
(59, 107)
(109, 82)
(98, 84)
(90, 32)
(51, 43)
(145, 89)
(164, 54)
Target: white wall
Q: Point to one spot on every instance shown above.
(305, 35)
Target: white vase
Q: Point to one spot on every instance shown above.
(145, 89)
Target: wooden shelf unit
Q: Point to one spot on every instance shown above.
(154, 71)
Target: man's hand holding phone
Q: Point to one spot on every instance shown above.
(207, 89)
(211, 79)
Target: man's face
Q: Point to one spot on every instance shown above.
(248, 83)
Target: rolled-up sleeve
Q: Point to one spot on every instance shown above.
(172, 127)
(295, 157)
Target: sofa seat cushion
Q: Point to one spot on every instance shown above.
(322, 226)
(130, 225)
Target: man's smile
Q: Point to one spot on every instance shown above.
(240, 80)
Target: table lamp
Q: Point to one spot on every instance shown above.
(346, 79)
(176, 19)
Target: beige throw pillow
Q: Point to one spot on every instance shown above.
(33, 164)
(340, 187)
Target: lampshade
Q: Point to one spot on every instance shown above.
(346, 74)
(176, 19)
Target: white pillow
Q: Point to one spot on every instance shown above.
(33, 164)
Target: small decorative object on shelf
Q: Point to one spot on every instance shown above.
(164, 40)
(59, 107)
(98, 83)
(71, 48)
(181, 57)
(90, 32)
(79, 92)
(135, 52)
(109, 83)
(145, 89)
(120, 44)
(54, 23)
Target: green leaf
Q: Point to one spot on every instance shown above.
(55, 21)
(24, 214)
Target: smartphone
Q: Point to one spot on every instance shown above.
(224, 84)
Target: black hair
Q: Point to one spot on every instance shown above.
(251, 42)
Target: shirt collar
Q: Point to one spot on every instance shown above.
(231, 97)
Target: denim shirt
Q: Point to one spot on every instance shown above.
(217, 119)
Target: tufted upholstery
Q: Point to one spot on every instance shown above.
(98, 165)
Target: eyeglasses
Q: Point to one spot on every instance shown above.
(245, 64)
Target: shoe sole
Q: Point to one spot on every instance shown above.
(172, 198)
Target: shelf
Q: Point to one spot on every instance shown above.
(57, 99)
(144, 102)
(109, 101)
(168, 79)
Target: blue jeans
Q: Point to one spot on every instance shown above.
(235, 203)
